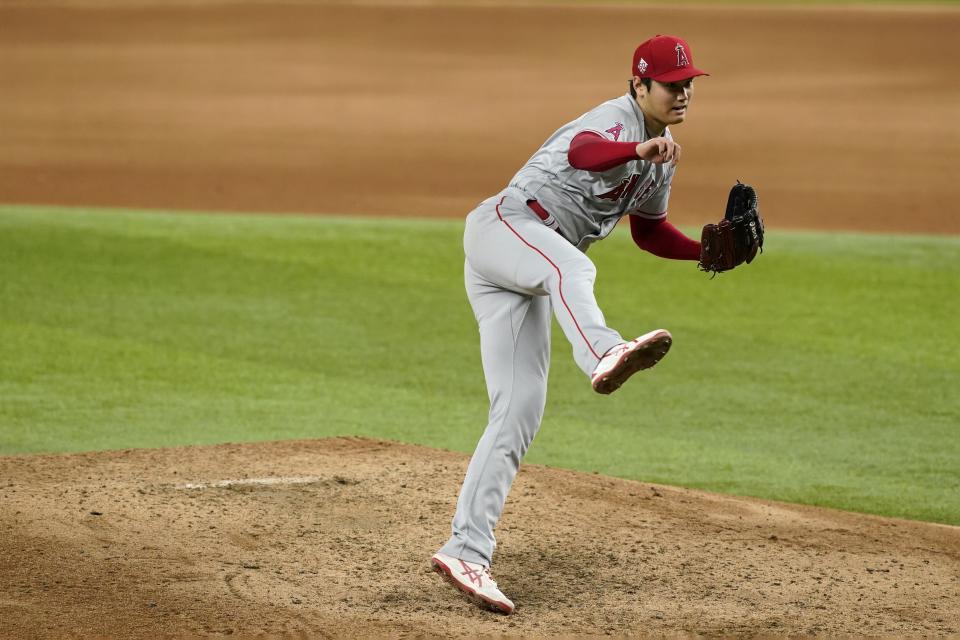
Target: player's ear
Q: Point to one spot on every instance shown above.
(638, 88)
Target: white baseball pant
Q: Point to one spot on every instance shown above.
(516, 270)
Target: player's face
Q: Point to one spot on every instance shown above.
(665, 103)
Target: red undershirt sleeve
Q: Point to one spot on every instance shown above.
(662, 239)
(590, 151)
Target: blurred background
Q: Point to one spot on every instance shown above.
(844, 117)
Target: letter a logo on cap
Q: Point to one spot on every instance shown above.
(655, 58)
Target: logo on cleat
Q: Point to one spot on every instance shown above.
(475, 575)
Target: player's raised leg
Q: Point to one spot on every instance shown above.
(533, 258)
(512, 248)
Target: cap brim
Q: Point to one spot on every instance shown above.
(680, 74)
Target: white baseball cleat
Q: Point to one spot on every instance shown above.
(624, 360)
(474, 580)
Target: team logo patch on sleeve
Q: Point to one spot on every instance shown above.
(615, 131)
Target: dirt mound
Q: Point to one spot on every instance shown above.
(332, 537)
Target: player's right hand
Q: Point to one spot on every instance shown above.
(659, 151)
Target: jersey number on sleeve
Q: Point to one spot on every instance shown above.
(626, 186)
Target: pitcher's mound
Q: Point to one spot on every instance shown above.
(332, 538)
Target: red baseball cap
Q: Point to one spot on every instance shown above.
(665, 59)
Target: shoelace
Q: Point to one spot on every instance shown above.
(491, 583)
(614, 352)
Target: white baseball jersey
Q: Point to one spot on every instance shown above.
(586, 204)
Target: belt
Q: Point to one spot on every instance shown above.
(544, 215)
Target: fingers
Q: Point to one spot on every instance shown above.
(671, 152)
(666, 150)
(656, 150)
(659, 151)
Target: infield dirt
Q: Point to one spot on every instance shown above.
(331, 538)
(424, 110)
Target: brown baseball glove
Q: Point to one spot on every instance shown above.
(738, 237)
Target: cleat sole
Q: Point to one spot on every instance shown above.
(644, 356)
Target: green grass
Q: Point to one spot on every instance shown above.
(825, 373)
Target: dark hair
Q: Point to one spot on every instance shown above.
(644, 81)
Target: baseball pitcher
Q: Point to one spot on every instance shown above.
(525, 258)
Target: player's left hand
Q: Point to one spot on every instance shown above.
(659, 151)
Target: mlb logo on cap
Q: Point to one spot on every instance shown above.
(665, 59)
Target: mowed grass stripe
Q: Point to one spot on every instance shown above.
(824, 374)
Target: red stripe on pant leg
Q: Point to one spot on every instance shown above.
(559, 274)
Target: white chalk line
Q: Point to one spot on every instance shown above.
(248, 482)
